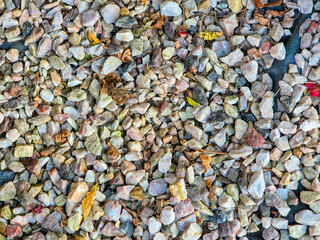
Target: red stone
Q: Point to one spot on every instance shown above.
(13, 230)
(255, 139)
(265, 47)
(183, 208)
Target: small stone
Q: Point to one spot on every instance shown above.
(77, 95)
(183, 208)
(178, 189)
(74, 222)
(233, 57)
(305, 6)
(167, 215)
(257, 185)
(47, 95)
(110, 13)
(250, 70)
(235, 5)
(77, 52)
(7, 191)
(307, 218)
(297, 231)
(276, 32)
(56, 62)
(34, 36)
(124, 35)
(44, 47)
(78, 191)
(170, 9)
(89, 18)
(93, 144)
(111, 64)
(229, 23)
(13, 231)
(278, 51)
(126, 22)
(193, 232)
(6, 176)
(157, 187)
(154, 225)
(23, 151)
(242, 151)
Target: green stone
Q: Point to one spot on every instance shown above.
(233, 191)
(231, 110)
(6, 212)
(56, 62)
(93, 144)
(77, 95)
(7, 191)
(74, 221)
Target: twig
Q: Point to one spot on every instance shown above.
(242, 16)
(93, 59)
(213, 152)
(224, 32)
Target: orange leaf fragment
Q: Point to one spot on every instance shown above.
(259, 4)
(206, 160)
(144, 1)
(88, 201)
(160, 22)
(210, 189)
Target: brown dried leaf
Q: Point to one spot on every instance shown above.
(206, 160)
(177, 44)
(126, 56)
(275, 13)
(210, 189)
(261, 19)
(113, 154)
(259, 4)
(160, 22)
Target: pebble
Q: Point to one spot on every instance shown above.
(110, 65)
(257, 184)
(170, 9)
(110, 13)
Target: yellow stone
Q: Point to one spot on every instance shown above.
(23, 151)
(235, 5)
(178, 189)
(6, 212)
(137, 193)
(204, 5)
(124, 11)
(285, 179)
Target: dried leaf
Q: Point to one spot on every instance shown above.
(273, 4)
(93, 38)
(126, 56)
(192, 102)
(160, 22)
(210, 35)
(177, 44)
(210, 189)
(206, 160)
(88, 201)
(144, 1)
(259, 4)
(261, 19)
(275, 13)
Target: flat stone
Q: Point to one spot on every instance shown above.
(257, 185)
(170, 9)
(111, 64)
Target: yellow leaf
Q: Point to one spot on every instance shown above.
(144, 1)
(88, 201)
(210, 35)
(206, 160)
(192, 102)
(93, 38)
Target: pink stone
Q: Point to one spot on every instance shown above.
(182, 85)
(265, 47)
(183, 208)
(184, 223)
(211, 236)
(123, 192)
(13, 230)
(135, 134)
